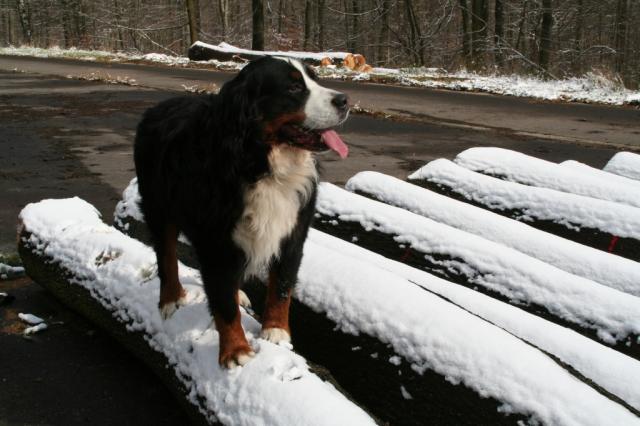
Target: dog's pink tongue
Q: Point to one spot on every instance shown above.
(333, 141)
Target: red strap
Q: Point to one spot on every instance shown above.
(612, 244)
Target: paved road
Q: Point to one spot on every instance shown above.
(64, 137)
(519, 116)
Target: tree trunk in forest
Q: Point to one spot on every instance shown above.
(308, 23)
(466, 35)
(498, 36)
(620, 34)
(257, 42)
(320, 23)
(545, 35)
(24, 15)
(223, 10)
(355, 26)
(383, 40)
(577, 43)
(479, 18)
(192, 14)
(415, 36)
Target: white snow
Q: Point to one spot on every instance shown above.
(601, 174)
(614, 315)
(272, 389)
(405, 394)
(591, 88)
(517, 167)
(624, 164)
(30, 318)
(362, 291)
(610, 270)
(228, 48)
(35, 329)
(615, 372)
(7, 271)
(570, 210)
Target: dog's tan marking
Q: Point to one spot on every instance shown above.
(172, 294)
(234, 348)
(276, 311)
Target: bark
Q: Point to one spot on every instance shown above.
(308, 24)
(620, 34)
(415, 36)
(498, 32)
(192, 14)
(466, 34)
(223, 10)
(24, 15)
(257, 42)
(320, 23)
(383, 39)
(545, 35)
(479, 18)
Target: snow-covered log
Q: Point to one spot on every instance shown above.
(601, 224)
(322, 334)
(625, 164)
(591, 308)
(601, 174)
(200, 51)
(517, 167)
(605, 268)
(111, 279)
(423, 338)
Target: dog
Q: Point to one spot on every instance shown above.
(234, 172)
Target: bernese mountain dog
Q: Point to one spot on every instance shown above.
(234, 173)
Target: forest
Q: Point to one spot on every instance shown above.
(548, 38)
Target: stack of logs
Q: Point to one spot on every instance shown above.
(355, 62)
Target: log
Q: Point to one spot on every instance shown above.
(349, 296)
(495, 270)
(225, 52)
(108, 277)
(319, 339)
(607, 226)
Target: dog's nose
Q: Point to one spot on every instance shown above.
(340, 101)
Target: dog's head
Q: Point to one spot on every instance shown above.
(284, 96)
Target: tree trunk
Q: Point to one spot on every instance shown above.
(499, 33)
(257, 42)
(223, 10)
(281, 8)
(620, 35)
(466, 34)
(383, 40)
(320, 23)
(24, 15)
(415, 36)
(545, 35)
(479, 17)
(355, 26)
(192, 13)
(308, 23)
(577, 42)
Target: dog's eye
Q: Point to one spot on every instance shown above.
(296, 88)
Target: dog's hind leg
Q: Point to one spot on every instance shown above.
(222, 267)
(172, 294)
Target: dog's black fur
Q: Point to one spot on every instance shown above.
(195, 158)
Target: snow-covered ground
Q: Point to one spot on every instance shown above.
(517, 167)
(361, 294)
(570, 210)
(625, 164)
(608, 269)
(591, 88)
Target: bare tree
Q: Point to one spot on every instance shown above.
(257, 42)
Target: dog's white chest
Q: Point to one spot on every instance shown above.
(271, 207)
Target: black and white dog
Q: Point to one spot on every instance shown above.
(234, 172)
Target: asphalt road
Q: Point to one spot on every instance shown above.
(64, 137)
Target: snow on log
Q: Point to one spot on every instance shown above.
(200, 51)
(339, 347)
(110, 278)
(625, 164)
(601, 224)
(517, 167)
(471, 260)
(608, 269)
(613, 372)
(373, 298)
(610, 177)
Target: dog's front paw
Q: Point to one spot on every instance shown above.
(235, 357)
(243, 299)
(275, 335)
(169, 308)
